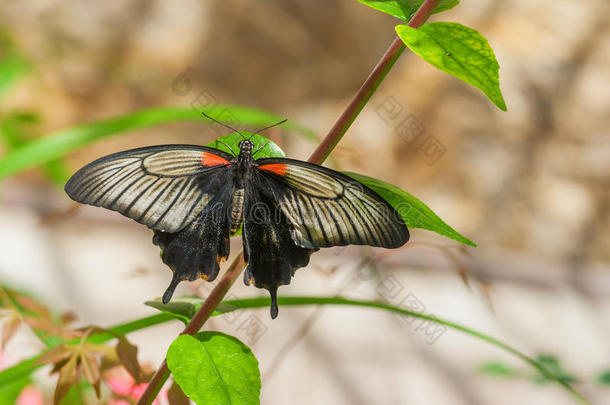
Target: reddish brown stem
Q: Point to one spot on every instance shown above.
(319, 155)
(368, 87)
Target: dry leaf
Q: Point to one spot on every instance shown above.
(91, 371)
(9, 328)
(67, 378)
(128, 355)
(55, 355)
(175, 395)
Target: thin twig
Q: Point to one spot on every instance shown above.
(319, 155)
(368, 87)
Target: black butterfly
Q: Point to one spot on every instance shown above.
(195, 197)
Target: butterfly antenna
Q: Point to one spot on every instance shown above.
(270, 126)
(231, 149)
(221, 123)
(260, 147)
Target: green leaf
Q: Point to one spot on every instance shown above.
(603, 378)
(11, 391)
(497, 369)
(215, 368)
(414, 212)
(230, 144)
(181, 308)
(15, 129)
(459, 51)
(404, 9)
(555, 371)
(60, 143)
(12, 64)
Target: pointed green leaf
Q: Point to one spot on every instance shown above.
(414, 212)
(404, 9)
(215, 368)
(497, 369)
(182, 308)
(459, 51)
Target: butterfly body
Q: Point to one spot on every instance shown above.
(194, 198)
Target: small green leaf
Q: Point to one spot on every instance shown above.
(603, 378)
(414, 212)
(230, 144)
(182, 308)
(554, 370)
(459, 51)
(404, 9)
(497, 369)
(214, 368)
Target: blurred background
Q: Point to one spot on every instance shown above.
(530, 186)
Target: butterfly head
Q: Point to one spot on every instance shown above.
(245, 146)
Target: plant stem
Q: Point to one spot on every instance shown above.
(368, 87)
(318, 156)
(211, 302)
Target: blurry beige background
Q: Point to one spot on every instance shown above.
(530, 186)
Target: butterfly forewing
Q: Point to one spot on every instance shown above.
(158, 186)
(327, 208)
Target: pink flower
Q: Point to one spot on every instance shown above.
(29, 396)
(123, 384)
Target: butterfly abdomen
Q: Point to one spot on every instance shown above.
(237, 209)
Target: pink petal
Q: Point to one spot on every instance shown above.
(29, 396)
(120, 385)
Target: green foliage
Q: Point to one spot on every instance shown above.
(230, 144)
(404, 9)
(603, 378)
(551, 368)
(16, 130)
(459, 51)
(264, 302)
(555, 370)
(214, 368)
(12, 64)
(414, 212)
(27, 366)
(60, 143)
(497, 369)
(10, 392)
(181, 308)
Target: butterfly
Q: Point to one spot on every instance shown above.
(195, 197)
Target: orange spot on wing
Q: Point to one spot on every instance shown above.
(210, 159)
(277, 168)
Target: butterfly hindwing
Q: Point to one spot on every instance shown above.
(269, 250)
(327, 208)
(196, 250)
